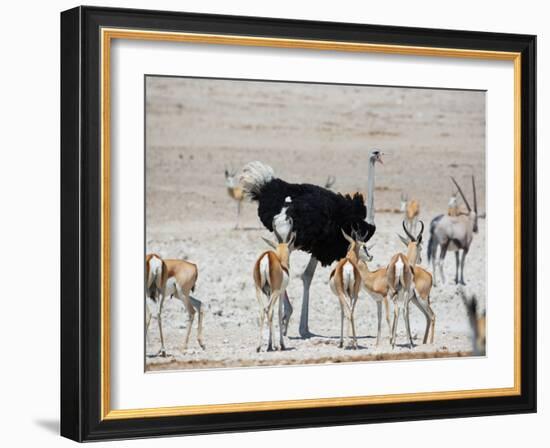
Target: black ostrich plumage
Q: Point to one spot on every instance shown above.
(318, 216)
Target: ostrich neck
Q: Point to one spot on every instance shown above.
(370, 194)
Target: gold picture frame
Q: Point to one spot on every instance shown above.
(107, 31)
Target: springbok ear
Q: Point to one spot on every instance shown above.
(270, 243)
(347, 237)
(404, 240)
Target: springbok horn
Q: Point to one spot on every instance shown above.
(475, 195)
(412, 238)
(290, 232)
(291, 240)
(347, 237)
(462, 194)
(279, 239)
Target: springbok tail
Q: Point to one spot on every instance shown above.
(400, 280)
(253, 177)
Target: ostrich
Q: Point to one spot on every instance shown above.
(453, 233)
(318, 217)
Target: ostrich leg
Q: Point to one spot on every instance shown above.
(287, 307)
(307, 277)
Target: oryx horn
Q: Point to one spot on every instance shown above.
(462, 194)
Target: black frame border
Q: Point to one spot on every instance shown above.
(81, 224)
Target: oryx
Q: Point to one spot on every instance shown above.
(453, 233)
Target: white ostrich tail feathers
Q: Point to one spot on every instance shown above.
(254, 176)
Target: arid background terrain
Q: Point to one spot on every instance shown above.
(195, 128)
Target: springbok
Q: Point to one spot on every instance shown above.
(477, 324)
(453, 233)
(155, 285)
(422, 281)
(174, 278)
(235, 191)
(374, 283)
(399, 275)
(181, 281)
(411, 211)
(345, 283)
(271, 276)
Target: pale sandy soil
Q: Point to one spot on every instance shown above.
(305, 132)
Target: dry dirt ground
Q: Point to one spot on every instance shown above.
(195, 128)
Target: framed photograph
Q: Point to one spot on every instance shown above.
(272, 223)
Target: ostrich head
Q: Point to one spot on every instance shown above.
(376, 156)
(231, 180)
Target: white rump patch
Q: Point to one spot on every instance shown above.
(348, 277)
(155, 269)
(264, 270)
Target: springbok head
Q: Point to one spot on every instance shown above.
(410, 239)
(357, 242)
(231, 180)
(453, 200)
(404, 200)
(472, 212)
(283, 247)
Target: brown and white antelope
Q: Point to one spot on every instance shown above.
(477, 324)
(174, 278)
(375, 285)
(409, 282)
(422, 280)
(411, 211)
(271, 277)
(155, 285)
(181, 281)
(399, 275)
(345, 283)
(235, 191)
